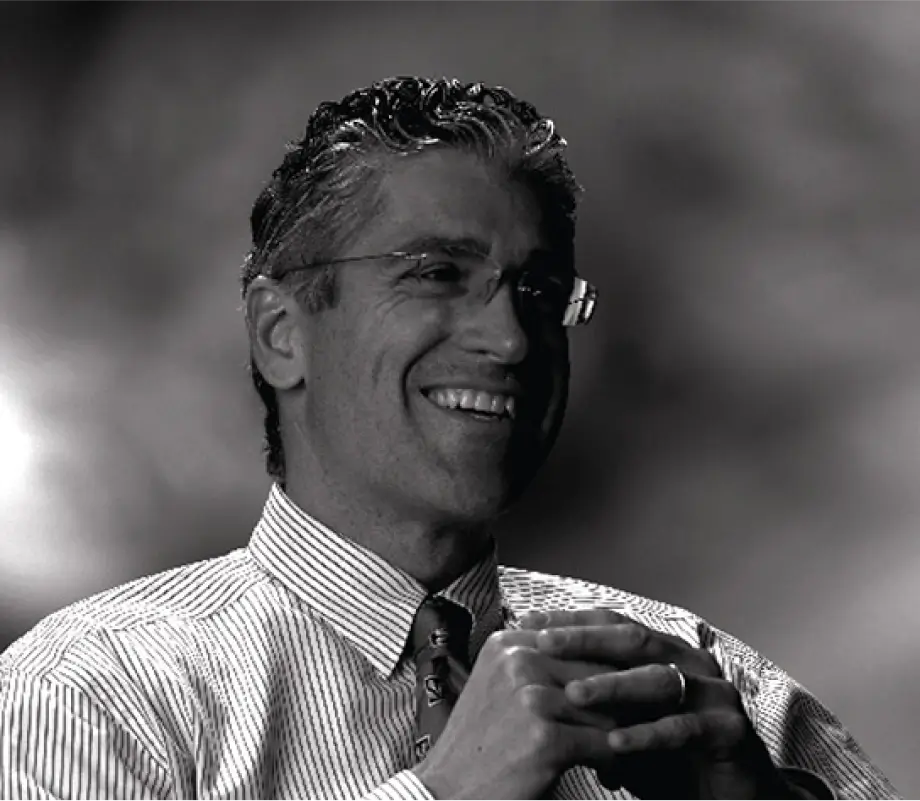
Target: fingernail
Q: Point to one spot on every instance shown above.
(578, 692)
(616, 740)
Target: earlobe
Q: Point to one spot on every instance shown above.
(276, 336)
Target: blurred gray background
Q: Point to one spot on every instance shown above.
(744, 438)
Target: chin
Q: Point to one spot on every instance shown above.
(481, 502)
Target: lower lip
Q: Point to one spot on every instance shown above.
(471, 417)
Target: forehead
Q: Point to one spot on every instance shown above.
(455, 195)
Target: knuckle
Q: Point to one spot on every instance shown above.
(725, 734)
(491, 647)
(687, 728)
(533, 699)
(595, 616)
(636, 636)
(557, 617)
(534, 619)
(517, 655)
(500, 640)
(516, 661)
(541, 735)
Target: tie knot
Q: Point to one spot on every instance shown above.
(443, 627)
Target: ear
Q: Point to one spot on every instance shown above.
(276, 335)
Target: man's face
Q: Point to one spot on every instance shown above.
(383, 362)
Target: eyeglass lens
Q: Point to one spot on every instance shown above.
(566, 298)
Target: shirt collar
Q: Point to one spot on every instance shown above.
(364, 598)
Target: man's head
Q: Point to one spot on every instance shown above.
(357, 359)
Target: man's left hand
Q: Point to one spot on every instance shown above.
(682, 731)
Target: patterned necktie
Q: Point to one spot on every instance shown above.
(440, 642)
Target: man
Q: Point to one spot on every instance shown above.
(407, 296)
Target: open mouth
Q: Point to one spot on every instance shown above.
(487, 407)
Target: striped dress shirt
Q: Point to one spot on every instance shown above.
(278, 671)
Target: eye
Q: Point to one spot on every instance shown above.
(438, 275)
(550, 293)
(441, 272)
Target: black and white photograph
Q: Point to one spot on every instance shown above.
(441, 399)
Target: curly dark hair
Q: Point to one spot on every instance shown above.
(322, 191)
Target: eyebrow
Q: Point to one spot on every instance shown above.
(432, 242)
(427, 243)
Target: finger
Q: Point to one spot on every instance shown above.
(723, 734)
(625, 644)
(565, 671)
(550, 703)
(527, 664)
(652, 686)
(558, 670)
(639, 692)
(669, 733)
(571, 742)
(553, 618)
(514, 637)
(584, 745)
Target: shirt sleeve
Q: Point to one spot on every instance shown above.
(404, 785)
(800, 733)
(55, 742)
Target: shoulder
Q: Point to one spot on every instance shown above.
(148, 606)
(141, 657)
(526, 590)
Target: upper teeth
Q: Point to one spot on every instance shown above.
(474, 400)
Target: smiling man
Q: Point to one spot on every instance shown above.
(419, 391)
(408, 298)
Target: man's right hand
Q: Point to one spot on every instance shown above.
(512, 732)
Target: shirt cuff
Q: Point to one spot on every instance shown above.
(811, 783)
(404, 785)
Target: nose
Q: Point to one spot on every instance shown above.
(495, 330)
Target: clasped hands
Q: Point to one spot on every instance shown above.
(676, 728)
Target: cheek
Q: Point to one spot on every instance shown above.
(557, 370)
(550, 351)
(411, 333)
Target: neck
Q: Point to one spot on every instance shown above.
(434, 552)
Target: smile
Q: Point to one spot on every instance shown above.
(481, 405)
